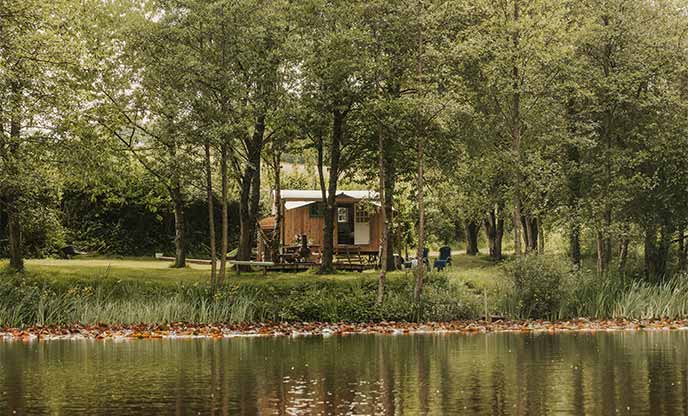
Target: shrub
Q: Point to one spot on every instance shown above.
(536, 287)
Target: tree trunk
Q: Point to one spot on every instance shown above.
(601, 253)
(389, 212)
(16, 246)
(179, 228)
(249, 200)
(490, 229)
(516, 136)
(540, 237)
(533, 234)
(327, 265)
(420, 185)
(650, 255)
(574, 244)
(499, 235)
(657, 248)
(225, 220)
(527, 232)
(211, 214)
(15, 241)
(623, 255)
(277, 231)
(385, 224)
(420, 271)
(682, 252)
(494, 230)
(604, 244)
(472, 230)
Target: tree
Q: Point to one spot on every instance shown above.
(626, 74)
(334, 86)
(36, 92)
(520, 52)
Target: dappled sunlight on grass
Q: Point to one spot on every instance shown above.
(478, 271)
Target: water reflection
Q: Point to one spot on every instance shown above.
(501, 374)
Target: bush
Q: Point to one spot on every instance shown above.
(536, 287)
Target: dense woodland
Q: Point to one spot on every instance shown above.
(133, 126)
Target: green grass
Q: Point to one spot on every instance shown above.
(132, 290)
(478, 271)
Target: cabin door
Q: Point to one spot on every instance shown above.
(361, 227)
(345, 224)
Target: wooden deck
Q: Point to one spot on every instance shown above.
(349, 266)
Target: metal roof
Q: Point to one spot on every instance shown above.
(314, 194)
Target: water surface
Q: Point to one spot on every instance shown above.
(503, 374)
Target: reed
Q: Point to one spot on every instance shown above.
(30, 300)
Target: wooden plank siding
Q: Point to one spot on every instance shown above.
(299, 221)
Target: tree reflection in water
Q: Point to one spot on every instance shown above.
(501, 374)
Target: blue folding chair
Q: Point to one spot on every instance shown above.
(444, 259)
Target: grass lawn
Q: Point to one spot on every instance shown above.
(478, 271)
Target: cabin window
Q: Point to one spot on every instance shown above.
(317, 210)
(342, 214)
(362, 215)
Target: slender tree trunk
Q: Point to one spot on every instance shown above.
(490, 231)
(604, 244)
(179, 228)
(574, 244)
(16, 246)
(277, 231)
(601, 253)
(420, 184)
(211, 215)
(533, 234)
(651, 252)
(327, 265)
(657, 248)
(385, 224)
(516, 136)
(328, 232)
(623, 255)
(540, 237)
(225, 220)
(15, 241)
(499, 235)
(389, 212)
(527, 233)
(682, 251)
(472, 230)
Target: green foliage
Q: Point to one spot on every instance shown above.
(535, 287)
(30, 299)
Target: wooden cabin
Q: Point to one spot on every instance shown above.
(358, 224)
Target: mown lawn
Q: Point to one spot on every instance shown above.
(478, 271)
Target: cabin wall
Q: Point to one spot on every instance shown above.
(298, 221)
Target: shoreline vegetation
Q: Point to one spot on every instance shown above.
(181, 330)
(130, 294)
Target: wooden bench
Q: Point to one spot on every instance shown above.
(260, 264)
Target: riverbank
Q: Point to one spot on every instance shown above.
(128, 292)
(218, 331)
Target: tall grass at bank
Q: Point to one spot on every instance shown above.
(544, 287)
(31, 300)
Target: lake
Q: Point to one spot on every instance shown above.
(506, 373)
